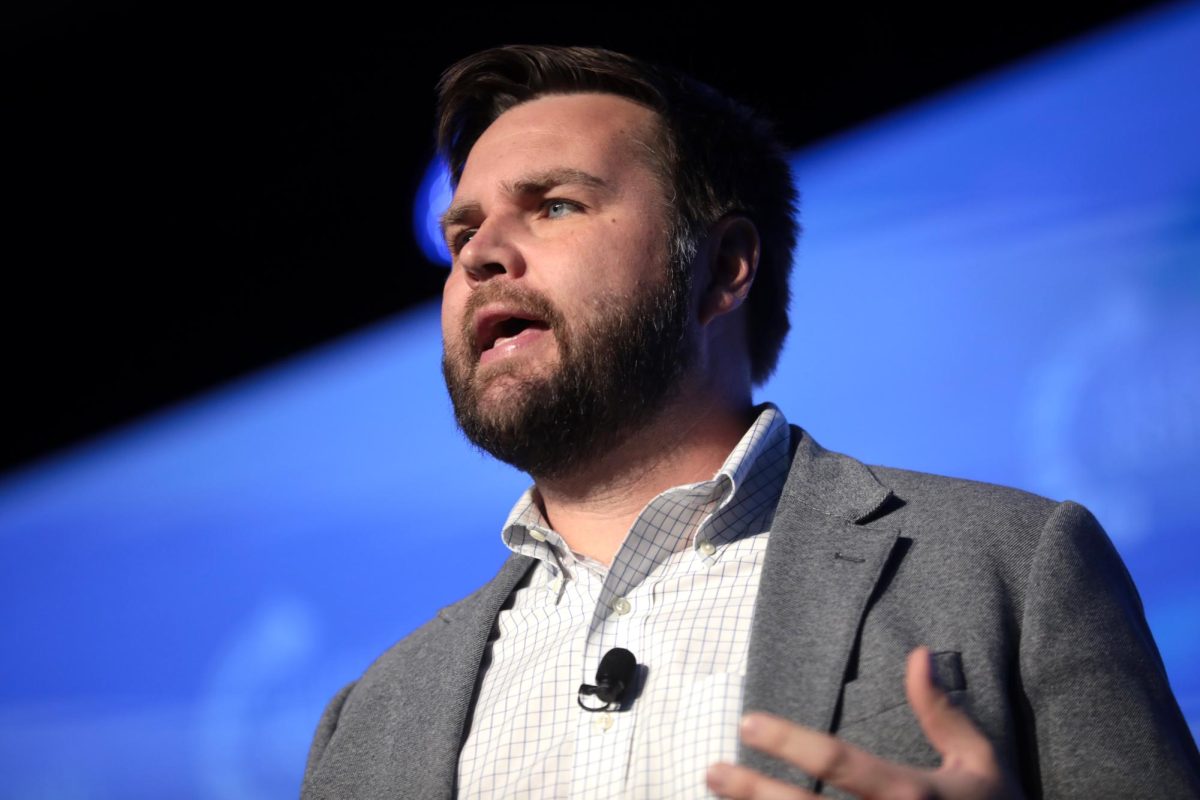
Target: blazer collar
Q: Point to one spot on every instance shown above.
(829, 483)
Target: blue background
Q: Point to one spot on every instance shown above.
(1001, 284)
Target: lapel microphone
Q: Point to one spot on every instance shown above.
(614, 676)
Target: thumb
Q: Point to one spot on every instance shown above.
(946, 726)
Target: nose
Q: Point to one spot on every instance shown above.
(491, 253)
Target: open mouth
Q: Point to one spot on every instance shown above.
(500, 329)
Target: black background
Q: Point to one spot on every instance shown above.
(195, 191)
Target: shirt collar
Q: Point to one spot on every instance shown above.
(761, 452)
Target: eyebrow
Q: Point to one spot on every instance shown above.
(534, 184)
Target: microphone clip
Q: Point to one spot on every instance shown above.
(603, 693)
(613, 679)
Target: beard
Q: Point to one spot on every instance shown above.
(614, 373)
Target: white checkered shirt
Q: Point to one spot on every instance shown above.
(679, 595)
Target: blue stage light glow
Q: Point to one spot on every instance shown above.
(998, 284)
(433, 196)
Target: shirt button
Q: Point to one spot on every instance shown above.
(604, 722)
(536, 534)
(707, 548)
(621, 606)
(555, 585)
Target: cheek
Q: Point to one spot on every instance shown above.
(642, 257)
(453, 302)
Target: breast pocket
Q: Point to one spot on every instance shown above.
(880, 687)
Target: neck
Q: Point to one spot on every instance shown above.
(594, 507)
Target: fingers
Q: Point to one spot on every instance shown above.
(822, 756)
(946, 726)
(740, 783)
(969, 766)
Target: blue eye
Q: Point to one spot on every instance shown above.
(559, 208)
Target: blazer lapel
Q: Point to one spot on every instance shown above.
(820, 570)
(455, 667)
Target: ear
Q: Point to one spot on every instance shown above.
(731, 262)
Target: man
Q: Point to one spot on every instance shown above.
(622, 240)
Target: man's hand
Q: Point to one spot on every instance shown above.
(969, 768)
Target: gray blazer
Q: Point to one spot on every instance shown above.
(1037, 629)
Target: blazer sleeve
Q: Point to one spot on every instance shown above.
(325, 730)
(1101, 715)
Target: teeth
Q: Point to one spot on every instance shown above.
(503, 340)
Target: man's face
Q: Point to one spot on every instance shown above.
(564, 326)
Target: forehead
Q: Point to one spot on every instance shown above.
(593, 132)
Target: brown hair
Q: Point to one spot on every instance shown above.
(714, 156)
